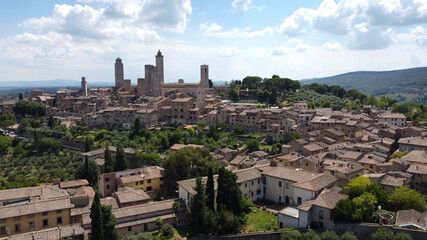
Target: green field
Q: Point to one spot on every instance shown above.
(260, 221)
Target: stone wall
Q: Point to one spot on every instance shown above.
(362, 231)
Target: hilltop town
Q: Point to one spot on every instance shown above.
(127, 147)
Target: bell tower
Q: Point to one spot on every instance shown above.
(159, 65)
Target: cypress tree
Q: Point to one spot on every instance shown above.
(51, 122)
(109, 162)
(229, 196)
(210, 191)
(197, 206)
(89, 171)
(87, 145)
(96, 223)
(121, 162)
(37, 139)
(136, 128)
(21, 96)
(109, 223)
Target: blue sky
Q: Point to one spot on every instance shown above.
(299, 39)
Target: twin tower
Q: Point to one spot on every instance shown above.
(151, 85)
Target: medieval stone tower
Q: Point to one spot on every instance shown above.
(204, 75)
(154, 77)
(159, 65)
(118, 73)
(83, 89)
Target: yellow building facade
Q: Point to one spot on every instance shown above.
(33, 216)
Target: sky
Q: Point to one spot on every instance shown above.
(298, 39)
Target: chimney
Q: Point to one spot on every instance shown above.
(56, 181)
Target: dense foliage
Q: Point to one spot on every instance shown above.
(364, 198)
(24, 107)
(229, 215)
(187, 163)
(415, 112)
(103, 222)
(6, 120)
(284, 91)
(26, 166)
(406, 198)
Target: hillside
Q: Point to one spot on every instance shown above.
(406, 84)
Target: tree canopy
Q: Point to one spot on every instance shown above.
(89, 171)
(24, 107)
(187, 163)
(406, 198)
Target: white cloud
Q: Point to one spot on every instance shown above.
(227, 51)
(283, 50)
(170, 15)
(364, 37)
(279, 51)
(118, 17)
(419, 34)
(301, 47)
(335, 18)
(241, 4)
(332, 46)
(209, 28)
(345, 17)
(213, 29)
(295, 24)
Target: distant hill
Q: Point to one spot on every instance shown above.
(408, 84)
(54, 83)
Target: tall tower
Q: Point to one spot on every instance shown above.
(84, 87)
(118, 73)
(159, 64)
(204, 75)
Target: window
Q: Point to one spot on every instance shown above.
(149, 181)
(45, 223)
(258, 192)
(17, 218)
(3, 231)
(129, 229)
(259, 181)
(149, 188)
(2, 220)
(31, 226)
(59, 211)
(161, 179)
(321, 214)
(252, 194)
(44, 214)
(287, 185)
(31, 216)
(299, 200)
(252, 183)
(141, 182)
(280, 183)
(246, 185)
(108, 186)
(59, 220)
(17, 227)
(107, 179)
(137, 183)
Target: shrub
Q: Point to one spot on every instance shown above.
(167, 231)
(348, 236)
